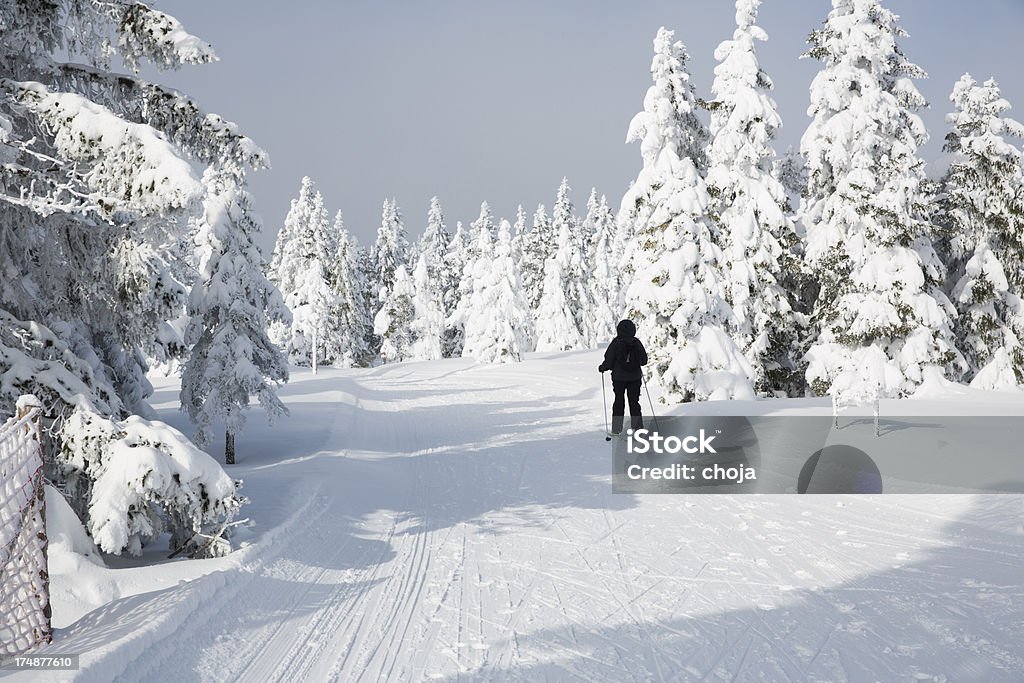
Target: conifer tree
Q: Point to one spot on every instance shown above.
(750, 207)
(389, 252)
(455, 260)
(232, 357)
(556, 317)
(571, 247)
(434, 241)
(391, 249)
(393, 320)
(427, 325)
(496, 318)
(603, 282)
(538, 246)
(483, 224)
(305, 256)
(869, 245)
(349, 315)
(982, 208)
(676, 294)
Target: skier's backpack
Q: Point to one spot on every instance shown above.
(629, 358)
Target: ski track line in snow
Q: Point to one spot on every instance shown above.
(143, 644)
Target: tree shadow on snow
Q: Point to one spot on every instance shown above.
(955, 614)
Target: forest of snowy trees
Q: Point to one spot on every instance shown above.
(841, 269)
(127, 240)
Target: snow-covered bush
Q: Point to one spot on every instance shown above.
(143, 478)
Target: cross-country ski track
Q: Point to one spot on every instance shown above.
(454, 522)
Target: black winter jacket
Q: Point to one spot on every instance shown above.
(615, 356)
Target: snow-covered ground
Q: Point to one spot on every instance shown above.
(454, 521)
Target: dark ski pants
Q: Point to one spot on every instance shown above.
(624, 390)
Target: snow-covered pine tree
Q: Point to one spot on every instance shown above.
(868, 244)
(603, 282)
(671, 105)
(676, 294)
(538, 246)
(434, 241)
(751, 209)
(555, 320)
(519, 234)
(311, 304)
(98, 182)
(572, 251)
(305, 257)
(391, 249)
(450, 281)
(349, 316)
(295, 236)
(495, 317)
(393, 320)
(367, 274)
(483, 223)
(982, 208)
(230, 305)
(427, 326)
(389, 252)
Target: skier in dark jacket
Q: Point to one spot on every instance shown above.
(624, 357)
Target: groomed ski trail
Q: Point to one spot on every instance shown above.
(458, 524)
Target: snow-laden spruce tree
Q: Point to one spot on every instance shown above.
(393, 320)
(868, 244)
(427, 326)
(751, 207)
(555, 326)
(230, 307)
(304, 257)
(537, 247)
(293, 232)
(520, 238)
(495, 317)
(676, 294)
(349, 316)
(572, 249)
(455, 259)
(98, 183)
(519, 234)
(311, 304)
(603, 302)
(390, 251)
(483, 224)
(434, 242)
(982, 207)
(392, 246)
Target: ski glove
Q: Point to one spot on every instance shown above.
(601, 368)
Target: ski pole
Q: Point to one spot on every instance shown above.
(604, 399)
(649, 401)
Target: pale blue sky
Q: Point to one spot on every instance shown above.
(476, 99)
